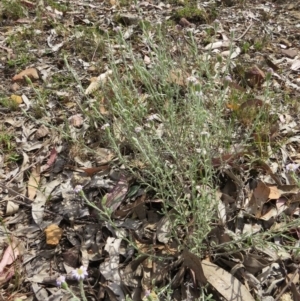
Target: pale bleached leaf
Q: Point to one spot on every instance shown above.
(97, 82)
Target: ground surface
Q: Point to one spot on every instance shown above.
(179, 119)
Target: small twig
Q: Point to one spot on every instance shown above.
(244, 33)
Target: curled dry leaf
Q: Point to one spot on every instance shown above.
(11, 208)
(261, 194)
(255, 77)
(32, 73)
(97, 82)
(193, 262)
(53, 234)
(76, 120)
(41, 132)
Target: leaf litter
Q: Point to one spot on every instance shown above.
(39, 169)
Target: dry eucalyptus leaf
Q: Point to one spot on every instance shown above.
(33, 182)
(225, 283)
(38, 205)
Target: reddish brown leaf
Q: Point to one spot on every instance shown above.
(10, 255)
(51, 160)
(93, 170)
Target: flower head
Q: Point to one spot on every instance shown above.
(60, 280)
(78, 188)
(80, 273)
(292, 167)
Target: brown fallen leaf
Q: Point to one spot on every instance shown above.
(93, 170)
(255, 77)
(261, 195)
(76, 120)
(41, 132)
(32, 73)
(53, 234)
(193, 262)
(185, 23)
(291, 53)
(270, 63)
